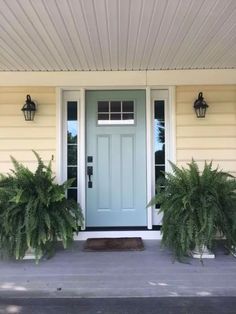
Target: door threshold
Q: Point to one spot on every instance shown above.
(127, 228)
(144, 234)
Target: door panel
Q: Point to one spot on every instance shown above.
(118, 193)
(127, 172)
(103, 172)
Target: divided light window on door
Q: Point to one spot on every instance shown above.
(72, 147)
(115, 112)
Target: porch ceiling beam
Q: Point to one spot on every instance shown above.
(119, 78)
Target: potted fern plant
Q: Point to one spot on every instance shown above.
(34, 211)
(196, 206)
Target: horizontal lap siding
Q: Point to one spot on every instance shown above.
(19, 137)
(212, 138)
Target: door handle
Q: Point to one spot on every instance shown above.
(90, 173)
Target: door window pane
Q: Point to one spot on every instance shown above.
(128, 106)
(71, 110)
(115, 116)
(72, 194)
(72, 132)
(72, 174)
(115, 106)
(103, 106)
(159, 110)
(103, 116)
(160, 156)
(72, 155)
(159, 131)
(159, 172)
(128, 116)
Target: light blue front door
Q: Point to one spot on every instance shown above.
(116, 155)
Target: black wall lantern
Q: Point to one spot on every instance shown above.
(200, 106)
(29, 109)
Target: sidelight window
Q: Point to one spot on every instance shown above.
(159, 139)
(72, 147)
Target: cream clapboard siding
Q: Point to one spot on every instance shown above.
(212, 138)
(17, 136)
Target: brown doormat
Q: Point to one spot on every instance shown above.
(114, 244)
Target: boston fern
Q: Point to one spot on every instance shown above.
(196, 206)
(34, 212)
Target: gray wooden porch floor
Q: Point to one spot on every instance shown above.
(149, 273)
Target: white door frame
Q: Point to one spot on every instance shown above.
(170, 135)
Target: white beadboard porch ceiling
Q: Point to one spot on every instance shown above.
(91, 35)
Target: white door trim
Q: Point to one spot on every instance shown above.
(149, 154)
(60, 150)
(144, 234)
(172, 124)
(59, 127)
(82, 155)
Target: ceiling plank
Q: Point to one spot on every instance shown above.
(144, 30)
(166, 22)
(100, 11)
(92, 31)
(135, 14)
(63, 35)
